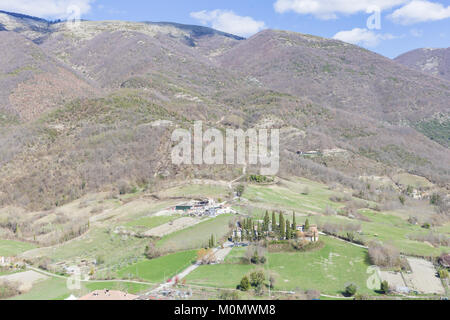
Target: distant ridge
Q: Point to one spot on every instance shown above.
(434, 61)
(24, 16)
(197, 31)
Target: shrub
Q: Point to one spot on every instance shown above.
(229, 295)
(240, 190)
(351, 289)
(151, 251)
(257, 278)
(245, 284)
(384, 255)
(435, 199)
(362, 296)
(443, 274)
(8, 289)
(255, 254)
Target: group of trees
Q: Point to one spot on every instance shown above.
(259, 178)
(255, 255)
(206, 256)
(281, 229)
(255, 280)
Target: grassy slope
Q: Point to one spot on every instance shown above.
(151, 222)
(11, 248)
(159, 269)
(50, 289)
(384, 226)
(197, 236)
(115, 249)
(197, 190)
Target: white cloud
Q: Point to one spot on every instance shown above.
(364, 37)
(329, 9)
(54, 9)
(420, 11)
(228, 21)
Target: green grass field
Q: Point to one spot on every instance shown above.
(9, 248)
(160, 269)
(151, 222)
(328, 269)
(290, 196)
(50, 289)
(197, 236)
(116, 250)
(383, 226)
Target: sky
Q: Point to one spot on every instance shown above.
(388, 27)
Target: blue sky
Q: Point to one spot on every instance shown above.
(403, 24)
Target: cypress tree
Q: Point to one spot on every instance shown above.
(307, 225)
(274, 221)
(294, 223)
(266, 221)
(282, 227)
(288, 230)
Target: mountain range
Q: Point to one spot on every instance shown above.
(81, 105)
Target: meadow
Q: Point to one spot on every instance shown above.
(160, 269)
(197, 236)
(385, 226)
(328, 270)
(9, 248)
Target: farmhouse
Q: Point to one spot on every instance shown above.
(312, 234)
